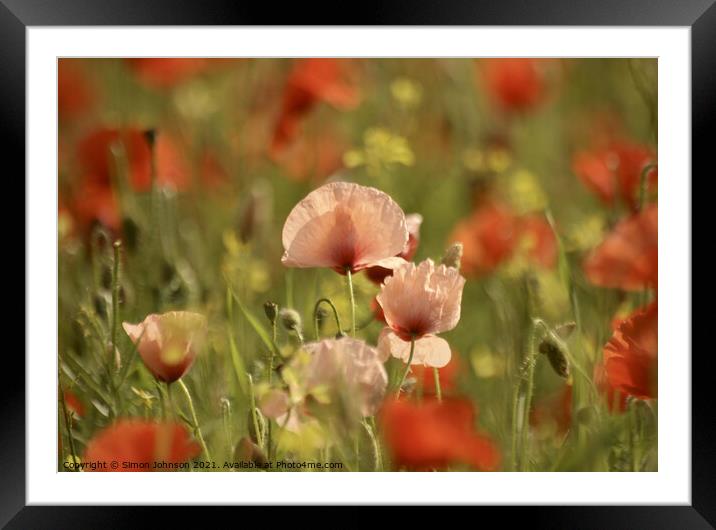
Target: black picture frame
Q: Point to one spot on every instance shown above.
(699, 15)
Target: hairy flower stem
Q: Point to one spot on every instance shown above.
(520, 430)
(274, 336)
(351, 295)
(377, 452)
(197, 430)
(335, 315)
(407, 366)
(438, 390)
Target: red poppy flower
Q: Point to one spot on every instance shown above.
(630, 356)
(448, 375)
(313, 157)
(175, 169)
(541, 240)
(166, 72)
(75, 93)
(433, 435)
(628, 257)
(488, 236)
(96, 162)
(615, 171)
(515, 84)
(616, 401)
(311, 81)
(140, 443)
(95, 203)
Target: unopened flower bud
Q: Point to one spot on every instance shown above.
(290, 319)
(453, 256)
(556, 351)
(271, 310)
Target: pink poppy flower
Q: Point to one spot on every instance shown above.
(326, 370)
(168, 343)
(413, 221)
(345, 227)
(418, 302)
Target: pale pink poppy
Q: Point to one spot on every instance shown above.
(327, 371)
(345, 227)
(168, 343)
(420, 301)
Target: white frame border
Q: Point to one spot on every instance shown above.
(670, 485)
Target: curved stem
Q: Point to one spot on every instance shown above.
(315, 314)
(349, 276)
(438, 390)
(197, 430)
(378, 454)
(407, 367)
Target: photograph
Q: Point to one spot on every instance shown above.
(356, 264)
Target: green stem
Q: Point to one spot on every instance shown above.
(530, 376)
(349, 276)
(438, 391)
(68, 427)
(115, 294)
(197, 430)
(254, 417)
(315, 315)
(370, 429)
(407, 367)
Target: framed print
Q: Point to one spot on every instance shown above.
(428, 260)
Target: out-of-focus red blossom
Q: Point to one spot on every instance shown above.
(312, 157)
(73, 403)
(75, 93)
(95, 160)
(615, 171)
(488, 237)
(628, 257)
(432, 435)
(95, 203)
(413, 221)
(555, 409)
(141, 442)
(448, 375)
(174, 168)
(515, 84)
(166, 73)
(542, 242)
(616, 401)
(630, 356)
(492, 233)
(311, 81)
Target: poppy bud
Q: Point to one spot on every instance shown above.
(290, 319)
(556, 351)
(271, 310)
(321, 316)
(453, 256)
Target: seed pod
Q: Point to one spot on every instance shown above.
(271, 310)
(290, 319)
(556, 351)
